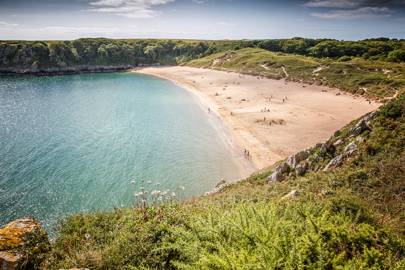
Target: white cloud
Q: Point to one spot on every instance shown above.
(334, 3)
(6, 24)
(359, 13)
(200, 1)
(128, 8)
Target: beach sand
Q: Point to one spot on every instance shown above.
(272, 119)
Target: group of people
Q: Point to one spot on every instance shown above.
(265, 109)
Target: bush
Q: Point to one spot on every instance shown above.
(344, 59)
(394, 109)
(397, 56)
(306, 235)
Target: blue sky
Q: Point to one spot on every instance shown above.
(201, 19)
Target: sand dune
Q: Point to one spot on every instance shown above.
(270, 118)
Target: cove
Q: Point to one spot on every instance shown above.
(75, 143)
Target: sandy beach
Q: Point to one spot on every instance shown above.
(271, 119)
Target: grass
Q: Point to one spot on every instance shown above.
(374, 79)
(348, 218)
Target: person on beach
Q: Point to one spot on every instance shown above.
(209, 110)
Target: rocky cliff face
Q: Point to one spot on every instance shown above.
(23, 244)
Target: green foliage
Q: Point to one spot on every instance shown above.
(41, 55)
(116, 240)
(397, 55)
(280, 235)
(375, 79)
(378, 49)
(394, 109)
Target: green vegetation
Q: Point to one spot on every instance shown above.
(350, 217)
(375, 79)
(37, 55)
(374, 49)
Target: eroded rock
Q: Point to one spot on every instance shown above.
(278, 174)
(359, 128)
(350, 149)
(301, 168)
(295, 159)
(327, 149)
(23, 244)
(363, 124)
(335, 162)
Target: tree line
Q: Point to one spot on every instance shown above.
(37, 55)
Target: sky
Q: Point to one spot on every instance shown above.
(201, 19)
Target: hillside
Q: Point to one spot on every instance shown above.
(100, 54)
(372, 78)
(337, 205)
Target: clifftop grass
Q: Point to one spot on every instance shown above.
(351, 217)
(374, 79)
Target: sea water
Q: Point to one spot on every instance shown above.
(82, 143)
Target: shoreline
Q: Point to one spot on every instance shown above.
(264, 115)
(246, 167)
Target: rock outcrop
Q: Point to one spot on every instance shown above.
(362, 125)
(295, 163)
(278, 173)
(218, 187)
(333, 153)
(23, 244)
(295, 159)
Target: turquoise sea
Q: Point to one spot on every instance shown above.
(75, 143)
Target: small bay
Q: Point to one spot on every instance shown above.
(75, 143)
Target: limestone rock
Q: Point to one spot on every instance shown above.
(9, 260)
(218, 188)
(220, 183)
(301, 168)
(327, 148)
(362, 125)
(23, 244)
(278, 174)
(295, 159)
(338, 142)
(350, 148)
(368, 117)
(335, 162)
